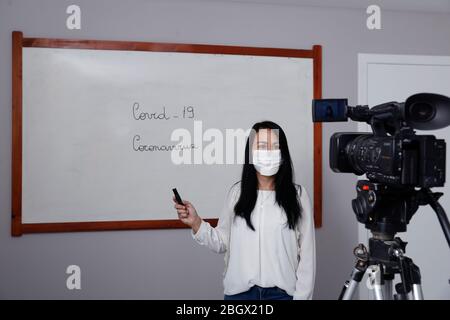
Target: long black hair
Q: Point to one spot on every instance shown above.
(285, 189)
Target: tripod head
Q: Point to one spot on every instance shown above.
(387, 209)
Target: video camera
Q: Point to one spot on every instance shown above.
(395, 160)
(393, 154)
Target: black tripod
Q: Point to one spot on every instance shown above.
(386, 210)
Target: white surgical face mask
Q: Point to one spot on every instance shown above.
(267, 162)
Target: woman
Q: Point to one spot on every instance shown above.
(266, 229)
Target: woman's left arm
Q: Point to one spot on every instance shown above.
(306, 270)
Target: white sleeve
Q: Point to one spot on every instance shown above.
(306, 270)
(217, 238)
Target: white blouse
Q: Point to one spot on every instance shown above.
(272, 255)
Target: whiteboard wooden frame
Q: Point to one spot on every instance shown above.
(19, 42)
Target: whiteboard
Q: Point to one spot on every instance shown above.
(80, 161)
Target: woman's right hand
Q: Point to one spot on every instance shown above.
(188, 215)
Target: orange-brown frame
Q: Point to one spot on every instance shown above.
(18, 42)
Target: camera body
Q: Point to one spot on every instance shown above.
(403, 159)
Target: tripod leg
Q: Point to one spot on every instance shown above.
(350, 285)
(411, 279)
(417, 292)
(416, 281)
(376, 281)
(357, 274)
(388, 278)
(387, 290)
